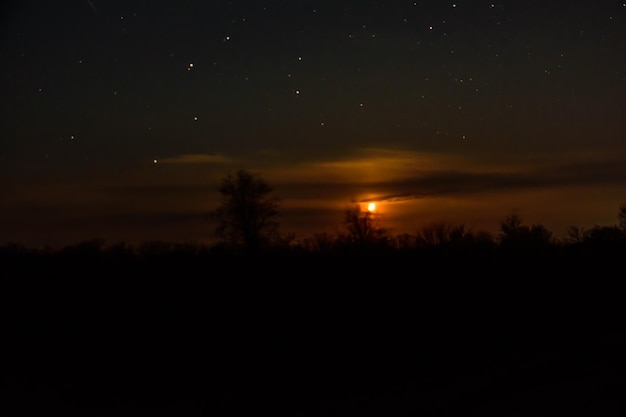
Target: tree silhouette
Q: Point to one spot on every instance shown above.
(435, 234)
(575, 234)
(621, 216)
(513, 234)
(605, 235)
(363, 228)
(320, 242)
(246, 216)
(440, 234)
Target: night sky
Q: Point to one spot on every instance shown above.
(119, 118)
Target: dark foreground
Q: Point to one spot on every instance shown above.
(303, 337)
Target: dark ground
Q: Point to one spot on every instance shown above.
(300, 337)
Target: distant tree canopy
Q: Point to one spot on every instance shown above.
(247, 212)
(441, 234)
(514, 234)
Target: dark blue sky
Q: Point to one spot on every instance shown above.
(119, 117)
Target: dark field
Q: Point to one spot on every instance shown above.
(428, 333)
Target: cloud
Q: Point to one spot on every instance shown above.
(397, 175)
(366, 165)
(465, 182)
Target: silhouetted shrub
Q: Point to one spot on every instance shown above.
(516, 236)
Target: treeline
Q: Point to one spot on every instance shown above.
(250, 239)
(363, 244)
(362, 232)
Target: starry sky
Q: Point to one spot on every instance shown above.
(120, 118)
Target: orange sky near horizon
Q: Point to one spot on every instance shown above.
(167, 200)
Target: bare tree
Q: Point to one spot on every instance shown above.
(515, 234)
(363, 228)
(575, 234)
(247, 212)
(621, 216)
(320, 242)
(404, 241)
(441, 234)
(435, 234)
